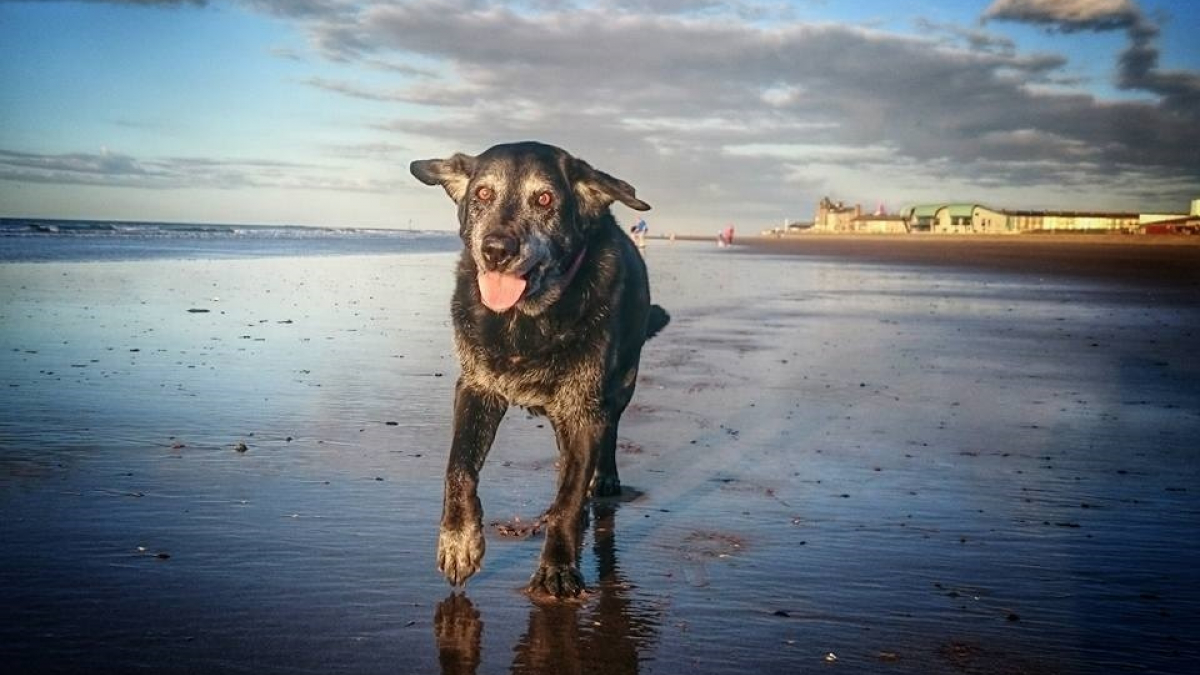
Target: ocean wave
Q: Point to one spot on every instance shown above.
(46, 240)
(28, 227)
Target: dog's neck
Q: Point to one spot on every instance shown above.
(570, 276)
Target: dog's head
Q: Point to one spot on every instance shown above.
(525, 211)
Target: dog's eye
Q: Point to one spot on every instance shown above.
(484, 193)
(545, 199)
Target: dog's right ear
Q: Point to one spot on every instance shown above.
(453, 174)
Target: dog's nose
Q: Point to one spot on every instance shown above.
(498, 249)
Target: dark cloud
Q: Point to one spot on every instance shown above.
(112, 169)
(716, 114)
(685, 89)
(301, 8)
(1138, 65)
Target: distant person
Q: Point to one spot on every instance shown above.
(728, 231)
(639, 233)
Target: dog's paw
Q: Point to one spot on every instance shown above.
(606, 485)
(460, 553)
(560, 581)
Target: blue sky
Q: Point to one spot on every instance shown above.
(309, 111)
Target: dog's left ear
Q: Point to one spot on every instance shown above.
(596, 189)
(453, 174)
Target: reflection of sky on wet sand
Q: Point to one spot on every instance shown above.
(298, 341)
(958, 470)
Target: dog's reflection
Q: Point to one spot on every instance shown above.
(602, 635)
(459, 632)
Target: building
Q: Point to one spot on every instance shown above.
(1180, 225)
(1072, 221)
(970, 218)
(833, 217)
(920, 218)
(967, 218)
(957, 219)
(879, 224)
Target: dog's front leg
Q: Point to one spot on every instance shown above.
(477, 414)
(579, 443)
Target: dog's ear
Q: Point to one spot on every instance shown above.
(596, 189)
(453, 174)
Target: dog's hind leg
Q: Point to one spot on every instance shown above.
(579, 442)
(477, 414)
(607, 482)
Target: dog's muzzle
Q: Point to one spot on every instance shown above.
(498, 250)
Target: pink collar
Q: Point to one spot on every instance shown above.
(574, 267)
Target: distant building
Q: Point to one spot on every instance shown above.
(965, 218)
(1179, 225)
(970, 218)
(880, 224)
(921, 218)
(833, 217)
(957, 219)
(1072, 221)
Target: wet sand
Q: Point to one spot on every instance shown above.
(1171, 262)
(842, 459)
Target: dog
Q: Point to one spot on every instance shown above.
(551, 308)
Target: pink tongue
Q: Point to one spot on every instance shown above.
(500, 291)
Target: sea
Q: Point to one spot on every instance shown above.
(43, 240)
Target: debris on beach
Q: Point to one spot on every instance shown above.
(161, 555)
(711, 544)
(630, 448)
(198, 310)
(517, 529)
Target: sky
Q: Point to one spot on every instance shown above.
(308, 112)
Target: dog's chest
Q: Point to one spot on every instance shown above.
(540, 368)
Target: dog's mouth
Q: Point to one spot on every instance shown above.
(500, 291)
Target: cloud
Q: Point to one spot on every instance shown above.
(112, 169)
(718, 111)
(1068, 15)
(353, 90)
(139, 3)
(975, 39)
(1138, 65)
(667, 91)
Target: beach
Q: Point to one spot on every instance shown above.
(844, 455)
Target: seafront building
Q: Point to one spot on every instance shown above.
(970, 218)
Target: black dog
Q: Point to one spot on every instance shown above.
(551, 309)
